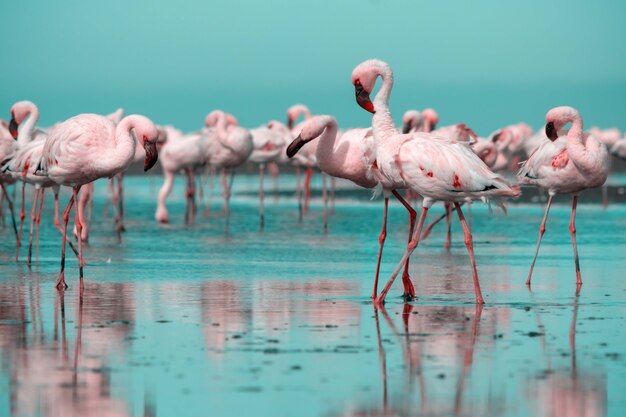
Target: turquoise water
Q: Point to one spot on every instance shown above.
(188, 321)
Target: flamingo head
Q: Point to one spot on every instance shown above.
(557, 118)
(431, 118)
(148, 134)
(231, 120)
(364, 79)
(213, 117)
(501, 138)
(412, 120)
(19, 112)
(296, 111)
(312, 129)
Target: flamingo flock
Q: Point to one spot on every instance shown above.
(416, 162)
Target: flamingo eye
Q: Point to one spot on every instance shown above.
(357, 82)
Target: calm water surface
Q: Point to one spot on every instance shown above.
(190, 321)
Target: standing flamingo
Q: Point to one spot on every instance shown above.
(8, 147)
(568, 163)
(347, 157)
(87, 147)
(231, 147)
(436, 168)
(268, 146)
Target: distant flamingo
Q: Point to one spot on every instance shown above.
(87, 147)
(268, 146)
(568, 163)
(231, 149)
(610, 138)
(8, 147)
(436, 168)
(619, 148)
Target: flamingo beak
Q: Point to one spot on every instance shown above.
(496, 137)
(433, 127)
(13, 127)
(406, 128)
(295, 146)
(289, 122)
(152, 155)
(551, 132)
(363, 98)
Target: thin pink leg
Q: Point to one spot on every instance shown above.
(38, 221)
(299, 193)
(61, 285)
(307, 189)
(120, 202)
(192, 197)
(572, 232)
(325, 198)
(31, 231)
(409, 250)
(429, 228)
(448, 242)
(57, 222)
(261, 197)
(22, 217)
(10, 203)
(78, 221)
(332, 195)
(381, 243)
(470, 248)
(542, 230)
(409, 290)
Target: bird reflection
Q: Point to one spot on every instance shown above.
(66, 373)
(568, 390)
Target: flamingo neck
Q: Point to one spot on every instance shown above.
(27, 129)
(382, 122)
(326, 146)
(576, 130)
(125, 141)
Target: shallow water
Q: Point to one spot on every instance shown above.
(190, 321)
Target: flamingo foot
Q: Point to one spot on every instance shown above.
(408, 297)
(61, 285)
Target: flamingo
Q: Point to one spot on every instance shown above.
(570, 162)
(23, 164)
(87, 147)
(8, 147)
(230, 148)
(436, 168)
(619, 148)
(268, 146)
(610, 138)
(179, 153)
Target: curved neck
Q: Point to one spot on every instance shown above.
(382, 122)
(576, 131)
(27, 128)
(125, 141)
(326, 146)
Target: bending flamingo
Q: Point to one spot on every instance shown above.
(436, 168)
(87, 147)
(568, 163)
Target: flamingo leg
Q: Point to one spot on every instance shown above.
(470, 249)
(10, 204)
(409, 290)
(61, 285)
(299, 194)
(191, 196)
(325, 198)
(381, 243)
(22, 217)
(38, 221)
(207, 206)
(332, 195)
(161, 214)
(542, 230)
(261, 196)
(307, 189)
(120, 202)
(31, 231)
(228, 184)
(448, 241)
(413, 243)
(78, 221)
(57, 222)
(572, 232)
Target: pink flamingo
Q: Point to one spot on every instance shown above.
(8, 147)
(87, 147)
(232, 147)
(179, 153)
(30, 143)
(619, 148)
(347, 157)
(610, 137)
(570, 162)
(268, 146)
(436, 168)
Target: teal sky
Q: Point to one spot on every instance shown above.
(486, 63)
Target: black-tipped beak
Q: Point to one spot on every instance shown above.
(363, 98)
(295, 146)
(433, 127)
(289, 123)
(13, 127)
(406, 128)
(496, 137)
(551, 132)
(152, 155)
